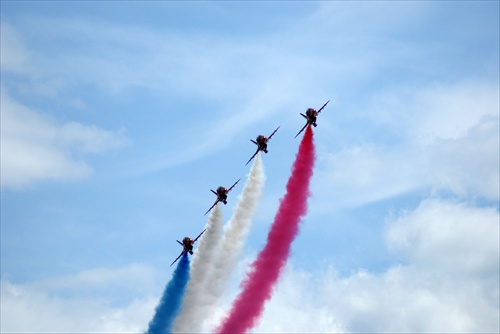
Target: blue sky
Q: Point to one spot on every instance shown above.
(118, 117)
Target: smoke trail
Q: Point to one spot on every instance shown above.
(170, 302)
(227, 253)
(265, 270)
(200, 267)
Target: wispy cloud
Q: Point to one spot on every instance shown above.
(36, 147)
(15, 57)
(243, 83)
(445, 138)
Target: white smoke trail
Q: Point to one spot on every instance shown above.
(227, 252)
(200, 267)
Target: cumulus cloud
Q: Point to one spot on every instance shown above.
(27, 309)
(401, 300)
(450, 236)
(36, 147)
(448, 283)
(97, 300)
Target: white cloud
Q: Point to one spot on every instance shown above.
(449, 236)
(451, 111)
(116, 58)
(36, 147)
(447, 138)
(266, 76)
(134, 277)
(469, 165)
(111, 300)
(455, 130)
(364, 173)
(444, 139)
(249, 81)
(26, 309)
(448, 284)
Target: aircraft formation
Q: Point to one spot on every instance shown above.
(221, 192)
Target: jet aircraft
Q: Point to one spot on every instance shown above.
(187, 244)
(310, 116)
(261, 142)
(221, 194)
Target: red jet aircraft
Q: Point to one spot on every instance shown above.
(221, 194)
(261, 142)
(187, 243)
(311, 115)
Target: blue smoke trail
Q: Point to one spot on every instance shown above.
(170, 302)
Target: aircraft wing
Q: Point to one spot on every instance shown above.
(273, 133)
(199, 236)
(233, 185)
(302, 129)
(324, 105)
(216, 201)
(253, 156)
(182, 253)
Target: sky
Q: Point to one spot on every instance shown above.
(117, 118)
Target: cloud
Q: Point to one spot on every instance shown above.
(246, 80)
(402, 300)
(116, 58)
(103, 282)
(445, 138)
(416, 130)
(448, 236)
(112, 300)
(447, 281)
(36, 147)
(468, 165)
(249, 82)
(450, 111)
(448, 284)
(363, 173)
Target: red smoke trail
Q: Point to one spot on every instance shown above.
(265, 270)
